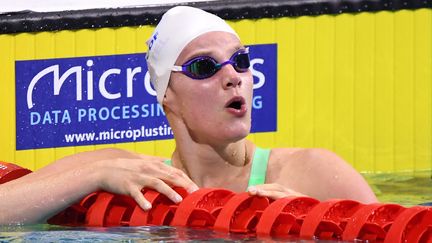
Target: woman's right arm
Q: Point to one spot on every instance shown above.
(43, 193)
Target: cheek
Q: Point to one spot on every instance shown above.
(200, 102)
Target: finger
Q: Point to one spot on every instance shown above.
(274, 191)
(176, 177)
(268, 187)
(260, 190)
(272, 194)
(170, 175)
(155, 168)
(138, 196)
(162, 187)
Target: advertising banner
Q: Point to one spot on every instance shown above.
(109, 99)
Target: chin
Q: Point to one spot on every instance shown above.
(238, 134)
(231, 131)
(236, 139)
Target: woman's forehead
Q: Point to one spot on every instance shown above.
(213, 43)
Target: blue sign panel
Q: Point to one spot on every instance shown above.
(109, 99)
(264, 103)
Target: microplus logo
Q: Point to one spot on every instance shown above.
(77, 73)
(109, 99)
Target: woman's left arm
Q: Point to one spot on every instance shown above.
(317, 173)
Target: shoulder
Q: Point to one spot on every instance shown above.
(310, 155)
(302, 162)
(296, 158)
(318, 173)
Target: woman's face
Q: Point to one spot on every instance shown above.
(216, 109)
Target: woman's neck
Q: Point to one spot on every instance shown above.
(211, 166)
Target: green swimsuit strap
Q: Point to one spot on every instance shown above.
(259, 167)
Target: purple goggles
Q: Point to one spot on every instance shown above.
(202, 67)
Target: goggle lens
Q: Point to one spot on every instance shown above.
(242, 62)
(204, 66)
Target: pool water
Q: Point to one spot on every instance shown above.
(49, 233)
(404, 189)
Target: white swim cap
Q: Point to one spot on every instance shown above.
(178, 26)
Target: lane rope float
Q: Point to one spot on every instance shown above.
(223, 210)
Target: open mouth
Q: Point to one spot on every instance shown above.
(236, 106)
(235, 103)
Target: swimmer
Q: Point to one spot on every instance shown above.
(200, 71)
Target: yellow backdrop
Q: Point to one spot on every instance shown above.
(357, 84)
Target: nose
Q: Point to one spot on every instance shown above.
(230, 77)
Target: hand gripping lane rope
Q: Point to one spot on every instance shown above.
(224, 210)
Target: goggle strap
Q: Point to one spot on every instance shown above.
(176, 68)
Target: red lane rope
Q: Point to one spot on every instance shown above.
(224, 210)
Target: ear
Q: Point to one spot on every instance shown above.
(167, 99)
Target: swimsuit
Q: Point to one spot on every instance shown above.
(258, 167)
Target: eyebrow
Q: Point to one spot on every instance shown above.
(208, 52)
